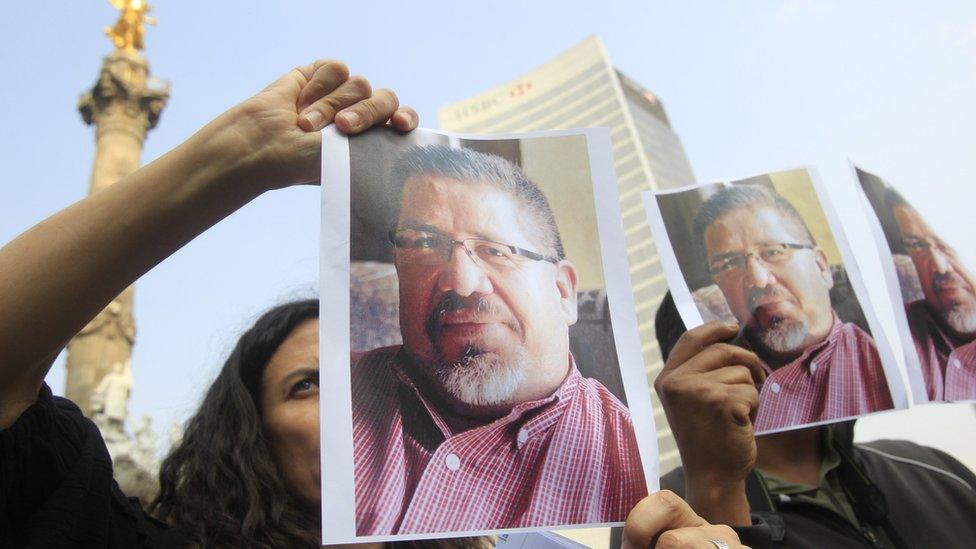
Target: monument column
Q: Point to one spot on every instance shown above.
(123, 105)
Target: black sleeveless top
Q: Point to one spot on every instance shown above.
(56, 485)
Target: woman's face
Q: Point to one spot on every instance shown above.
(290, 405)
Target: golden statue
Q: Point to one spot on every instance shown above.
(128, 30)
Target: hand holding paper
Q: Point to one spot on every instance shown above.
(275, 134)
(663, 519)
(708, 388)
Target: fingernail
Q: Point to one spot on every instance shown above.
(732, 326)
(314, 119)
(351, 118)
(405, 118)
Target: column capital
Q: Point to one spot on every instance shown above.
(125, 96)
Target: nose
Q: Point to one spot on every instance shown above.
(940, 261)
(462, 275)
(757, 275)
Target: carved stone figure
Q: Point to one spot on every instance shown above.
(110, 400)
(175, 434)
(145, 450)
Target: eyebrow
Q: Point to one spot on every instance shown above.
(300, 373)
(726, 255)
(432, 229)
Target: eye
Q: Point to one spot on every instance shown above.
(494, 251)
(305, 386)
(418, 240)
(426, 241)
(724, 265)
(947, 249)
(915, 244)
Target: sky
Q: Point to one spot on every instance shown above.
(748, 86)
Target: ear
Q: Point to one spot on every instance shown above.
(566, 283)
(824, 266)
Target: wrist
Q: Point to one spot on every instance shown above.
(227, 154)
(719, 501)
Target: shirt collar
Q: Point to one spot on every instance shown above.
(522, 422)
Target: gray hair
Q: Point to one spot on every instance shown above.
(746, 196)
(894, 199)
(466, 165)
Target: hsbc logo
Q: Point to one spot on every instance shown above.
(520, 89)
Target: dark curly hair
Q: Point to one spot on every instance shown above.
(221, 484)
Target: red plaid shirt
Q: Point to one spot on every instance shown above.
(948, 364)
(961, 373)
(837, 378)
(570, 458)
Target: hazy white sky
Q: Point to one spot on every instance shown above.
(749, 87)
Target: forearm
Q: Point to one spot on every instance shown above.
(719, 503)
(59, 274)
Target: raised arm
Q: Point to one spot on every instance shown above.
(58, 275)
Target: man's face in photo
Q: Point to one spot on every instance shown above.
(776, 282)
(488, 326)
(947, 285)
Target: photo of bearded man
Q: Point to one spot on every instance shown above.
(482, 411)
(937, 290)
(760, 252)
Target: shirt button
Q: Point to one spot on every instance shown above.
(957, 363)
(452, 461)
(523, 435)
(813, 368)
(774, 387)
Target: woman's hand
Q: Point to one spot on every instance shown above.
(275, 134)
(664, 520)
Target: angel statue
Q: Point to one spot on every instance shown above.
(128, 30)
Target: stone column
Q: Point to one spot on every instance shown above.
(124, 104)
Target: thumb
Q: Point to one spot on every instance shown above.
(656, 514)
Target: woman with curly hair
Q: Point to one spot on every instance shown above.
(254, 441)
(240, 477)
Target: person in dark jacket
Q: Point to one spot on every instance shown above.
(806, 488)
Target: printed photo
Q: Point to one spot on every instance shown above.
(761, 252)
(495, 377)
(934, 293)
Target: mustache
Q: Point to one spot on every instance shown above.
(758, 297)
(451, 301)
(950, 278)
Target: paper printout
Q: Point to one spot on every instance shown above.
(536, 540)
(768, 253)
(479, 337)
(933, 292)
